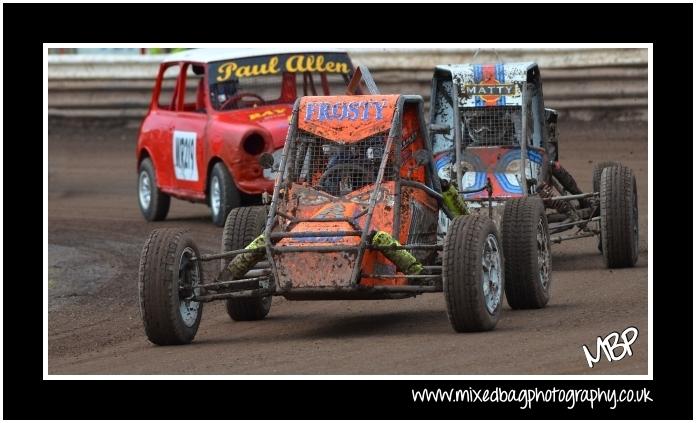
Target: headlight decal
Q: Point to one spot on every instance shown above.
(509, 182)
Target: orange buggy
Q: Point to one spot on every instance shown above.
(354, 215)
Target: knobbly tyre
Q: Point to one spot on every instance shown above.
(354, 215)
(479, 115)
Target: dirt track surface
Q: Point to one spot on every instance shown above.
(96, 232)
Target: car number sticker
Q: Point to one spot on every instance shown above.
(184, 154)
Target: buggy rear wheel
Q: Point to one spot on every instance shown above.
(597, 173)
(243, 225)
(473, 276)
(167, 281)
(618, 204)
(527, 253)
(596, 180)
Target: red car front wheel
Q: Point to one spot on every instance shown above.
(223, 195)
(154, 204)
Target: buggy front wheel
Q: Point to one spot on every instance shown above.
(473, 275)
(527, 253)
(167, 281)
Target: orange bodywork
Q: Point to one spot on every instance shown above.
(346, 118)
(339, 119)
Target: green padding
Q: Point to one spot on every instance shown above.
(242, 263)
(453, 201)
(403, 260)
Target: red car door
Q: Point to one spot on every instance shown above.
(188, 134)
(158, 127)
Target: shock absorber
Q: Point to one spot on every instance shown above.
(567, 181)
(546, 193)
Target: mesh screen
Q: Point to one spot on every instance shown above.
(491, 126)
(338, 169)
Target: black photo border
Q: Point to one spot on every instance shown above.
(28, 396)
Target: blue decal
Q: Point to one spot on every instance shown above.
(443, 160)
(309, 111)
(353, 110)
(321, 239)
(479, 182)
(363, 110)
(514, 154)
(507, 158)
(507, 185)
(500, 73)
(478, 75)
(323, 111)
(378, 110)
(500, 77)
(535, 156)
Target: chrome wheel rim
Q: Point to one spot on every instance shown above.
(215, 195)
(144, 190)
(543, 255)
(189, 279)
(492, 280)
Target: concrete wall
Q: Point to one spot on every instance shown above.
(583, 84)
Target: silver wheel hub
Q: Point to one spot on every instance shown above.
(492, 280)
(189, 279)
(543, 255)
(144, 190)
(215, 195)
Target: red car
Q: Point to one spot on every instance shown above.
(213, 115)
